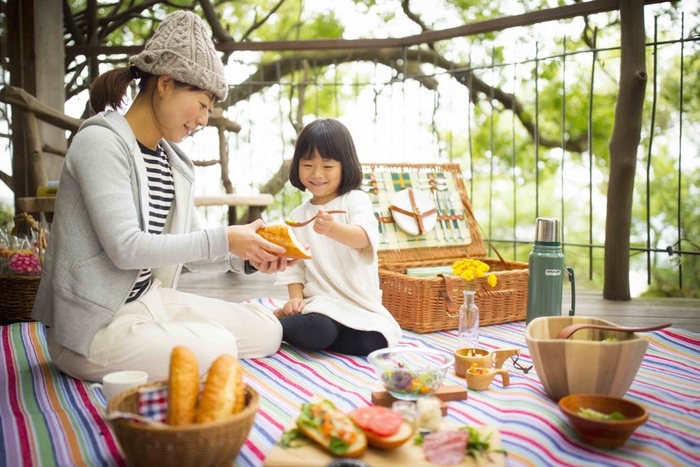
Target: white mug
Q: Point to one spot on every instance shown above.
(118, 381)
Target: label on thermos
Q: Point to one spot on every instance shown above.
(552, 272)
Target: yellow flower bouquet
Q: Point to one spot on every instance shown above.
(471, 269)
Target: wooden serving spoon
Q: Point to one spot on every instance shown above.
(572, 328)
(292, 223)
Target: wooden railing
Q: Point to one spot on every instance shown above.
(34, 110)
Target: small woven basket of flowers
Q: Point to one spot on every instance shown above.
(21, 262)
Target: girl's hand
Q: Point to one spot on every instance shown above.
(271, 267)
(323, 222)
(292, 307)
(246, 244)
(350, 235)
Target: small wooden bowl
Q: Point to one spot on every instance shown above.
(606, 434)
(480, 379)
(465, 357)
(468, 355)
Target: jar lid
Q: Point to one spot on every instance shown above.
(547, 230)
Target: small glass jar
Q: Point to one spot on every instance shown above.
(408, 411)
(429, 413)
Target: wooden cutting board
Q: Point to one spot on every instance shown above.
(408, 454)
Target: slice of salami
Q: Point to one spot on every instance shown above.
(446, 447)
(377, 419)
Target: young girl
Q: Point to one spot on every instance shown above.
(125, 224)
(335, 302)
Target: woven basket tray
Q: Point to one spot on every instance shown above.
(197, 445)
(17, 292)
(427, 304)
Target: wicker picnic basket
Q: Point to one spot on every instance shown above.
(427, 304)
(197, 445)
(17, 292)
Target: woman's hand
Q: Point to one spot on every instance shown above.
(246, 244)
(271, 267)
(292, 307)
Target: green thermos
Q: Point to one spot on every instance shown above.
(546, 272)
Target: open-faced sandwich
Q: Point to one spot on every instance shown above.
(384, 428)
(331, 429)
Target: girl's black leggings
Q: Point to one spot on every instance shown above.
(315, 331)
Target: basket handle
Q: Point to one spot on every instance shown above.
(448, 296)
(468, 208)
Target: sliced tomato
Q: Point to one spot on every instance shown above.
(377, 419)
(362, 416)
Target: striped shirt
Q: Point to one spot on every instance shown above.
(161, 193)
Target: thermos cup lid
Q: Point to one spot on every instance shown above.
(547, 230)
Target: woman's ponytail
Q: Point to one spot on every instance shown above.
(109, 88)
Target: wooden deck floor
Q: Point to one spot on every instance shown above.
(683, 313)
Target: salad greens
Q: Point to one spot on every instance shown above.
(293, 438)
(595, 415)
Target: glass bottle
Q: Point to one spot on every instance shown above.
(468, 322)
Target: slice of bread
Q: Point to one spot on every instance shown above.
(331, 429)
(390, 442)
(282, 235)
(356, 449)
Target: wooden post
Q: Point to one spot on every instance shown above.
(20, 30)
(223, 161)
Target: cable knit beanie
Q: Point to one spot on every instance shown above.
(181, 47)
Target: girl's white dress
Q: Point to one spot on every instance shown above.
(342, 282)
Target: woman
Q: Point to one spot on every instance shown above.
(125, 224)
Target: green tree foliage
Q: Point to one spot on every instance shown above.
(543, 72)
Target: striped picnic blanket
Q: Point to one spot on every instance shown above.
(47, 418)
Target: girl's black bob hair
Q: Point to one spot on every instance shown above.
(332, 140)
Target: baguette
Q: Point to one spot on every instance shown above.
(331, 429)
(223, 393)
(183, 387)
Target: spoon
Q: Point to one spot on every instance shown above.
(572, 328)
(292, 223)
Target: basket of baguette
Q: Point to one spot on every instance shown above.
(205, 423)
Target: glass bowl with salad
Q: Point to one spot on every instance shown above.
(603, 421)
(409, 373)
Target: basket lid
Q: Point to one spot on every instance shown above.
(455, 232)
